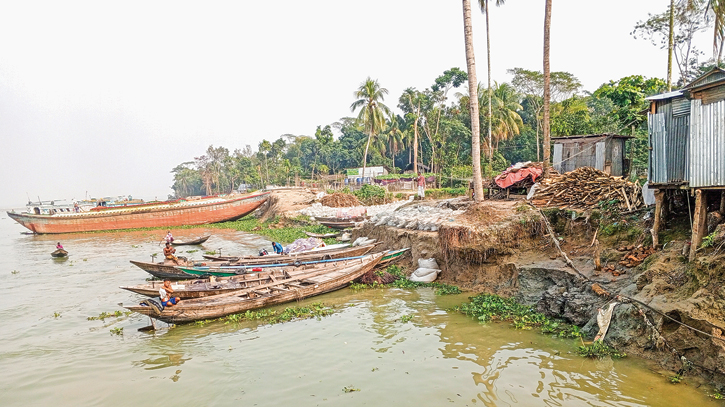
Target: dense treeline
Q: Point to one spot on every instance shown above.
(432, 129)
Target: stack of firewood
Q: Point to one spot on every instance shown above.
(635, 255)
(585, 188)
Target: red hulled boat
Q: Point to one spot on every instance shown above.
(158, 214)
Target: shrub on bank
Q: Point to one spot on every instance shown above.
(443, 193)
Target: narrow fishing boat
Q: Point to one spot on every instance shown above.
(171, 271)
(180, 212)
(393, 256)
(59, 253)
(322, 235)
(339, 225)
(317, 250)
(190, 242)
(317, 281)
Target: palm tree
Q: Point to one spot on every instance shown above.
(484, 8)
(547, 86)
(505, 121)
(718, 9)
(370, 96)
(395, 137)
(473, 106)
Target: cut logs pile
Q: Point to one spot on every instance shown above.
(340, 200)
(584, 188)
(635, 255)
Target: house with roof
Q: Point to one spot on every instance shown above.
(687, 149)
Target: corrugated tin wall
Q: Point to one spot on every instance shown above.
(707, 144)
(669, 134)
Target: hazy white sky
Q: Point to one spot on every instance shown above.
(107, 97)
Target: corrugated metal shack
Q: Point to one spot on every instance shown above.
(605, 152)
(687, 148)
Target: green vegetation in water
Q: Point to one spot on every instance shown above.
(349, 389)
(135, 246)
(117, 331)
(56, 315)
(14, 272)
(401, 281)
(489, 307)
(192, 251)
(270, 316)
(85, 259)
(598, 350)
(675, 379)
(406, 318)
(115, 314)
(210, 252)
(274, 230)
(717, 396)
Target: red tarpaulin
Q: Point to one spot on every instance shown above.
(510, 177)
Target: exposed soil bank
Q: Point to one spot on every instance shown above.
(502, 248)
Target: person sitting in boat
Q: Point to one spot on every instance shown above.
(165, 294)
(169, 238)
(169, 253)
(59, 246)
(277, 248)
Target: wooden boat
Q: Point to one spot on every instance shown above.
(198, 288)
(59, 253)
(190, 242)
(228, 271)
(157, 214)
(322, 235)
(325, 249)
(278, 291)
(169, 270)
(339, 225)
(334, 219)
(393, 256)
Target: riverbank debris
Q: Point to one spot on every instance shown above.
(340, 200)
(635, 255)
(585, 188)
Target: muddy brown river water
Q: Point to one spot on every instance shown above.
(52, 355)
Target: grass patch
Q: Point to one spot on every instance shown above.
(442, 193)
(270, 316)
(598, 350)
(489, 307)
(401, 281)
(275, 229)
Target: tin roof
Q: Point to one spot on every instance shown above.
(715, 75)
(668, 95)
(590, 136)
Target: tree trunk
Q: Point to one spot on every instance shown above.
(670, 45)
(415, 140)
(473, 101)
(365, 157)
(547, 87)
(490, 114)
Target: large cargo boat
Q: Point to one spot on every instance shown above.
(157, 214)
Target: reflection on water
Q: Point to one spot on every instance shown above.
(51, 354)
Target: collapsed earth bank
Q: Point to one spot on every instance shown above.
(670, 311)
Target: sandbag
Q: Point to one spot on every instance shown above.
(428, 263)
(424, 275)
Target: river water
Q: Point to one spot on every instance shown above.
(52, 355)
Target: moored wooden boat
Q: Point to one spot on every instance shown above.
(59, 253)
(322, 235)
(334, 219)
(393, 256)
(318, 250)
(158, 214)
(169, 270)
(198, 288)
(339, 225)
(191, 242)
(317, 281)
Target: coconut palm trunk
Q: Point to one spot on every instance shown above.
(473, 102)
(547, 86)
(488, 77)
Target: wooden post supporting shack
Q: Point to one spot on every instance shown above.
(659, 197)
(699, 224)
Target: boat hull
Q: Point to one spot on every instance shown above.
(216, 307)
(162, 215)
